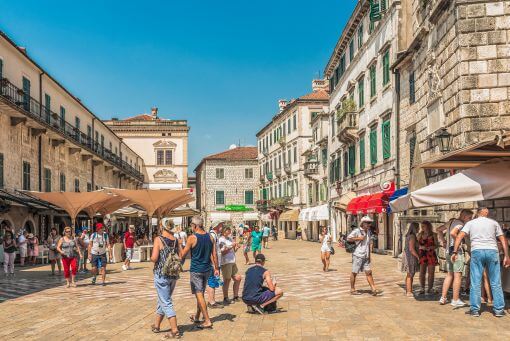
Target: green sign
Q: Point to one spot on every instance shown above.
(234, 208)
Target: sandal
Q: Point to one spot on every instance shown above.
(172, 335)
(193, 320)
(201, 326)
(376, 292)
(355, 293)
(155, 329)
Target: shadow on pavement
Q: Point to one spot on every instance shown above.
(187, 328)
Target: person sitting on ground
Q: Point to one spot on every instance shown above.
(255, 294)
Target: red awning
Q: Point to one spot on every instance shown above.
(363, 204)
(378, 203)
(352, 206)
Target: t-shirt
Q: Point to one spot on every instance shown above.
(230, 256)
(483, 232)
(362, 247)
(266, 231)
(129, 240)
(22, 241)
(86, 239)
(100, 242)
(256, 237)
(217, 242)
(182, 238)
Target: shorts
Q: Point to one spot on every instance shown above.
(198, 281)
(229, 270)
(99, 261)
(23, 251)
(247, 248)
(129, 253)
(256, 247)
(265, 296)
(457, 266)
(360, 264)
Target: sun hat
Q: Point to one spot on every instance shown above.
(366, 219)
(217, 223)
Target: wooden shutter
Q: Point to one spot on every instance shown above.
(386, 67)
(1, 167)
(375, 10)
(412, 96)
(386, 139)
(352, 160)
(26, 94)
(373, 84)
(362, 153)
(383, 5)
(373, 146)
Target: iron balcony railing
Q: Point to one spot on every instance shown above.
(33, 109)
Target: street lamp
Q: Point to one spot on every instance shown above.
(444, 140)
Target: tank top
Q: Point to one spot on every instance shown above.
(164, 253)
(9, 247)
(68, 248)
(201, 253)
(253, 283)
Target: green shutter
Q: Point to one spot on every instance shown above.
(373, 146)
(386, 139)
(360, 36)
(373, 84)
(375, 10)
(386, 67)
(362, 153)
(248, 197)
(1, 69)
(352, 160)
(361, 93)
(383, 5)
(1, 167)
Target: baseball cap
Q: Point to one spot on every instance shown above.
(99, 226)
(260, 258)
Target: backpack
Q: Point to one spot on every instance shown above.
(350, 247)
(172, 266)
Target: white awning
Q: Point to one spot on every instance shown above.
(321, 213)
(220, 216)
(304, 215)
(250, 216)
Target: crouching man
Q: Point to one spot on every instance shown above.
(258, 297)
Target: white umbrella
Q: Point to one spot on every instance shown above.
(490, 180)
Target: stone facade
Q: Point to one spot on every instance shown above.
(235, 174)
(51, 141)
(161, 143)
(281, 144)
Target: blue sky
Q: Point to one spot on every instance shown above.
(222, 65)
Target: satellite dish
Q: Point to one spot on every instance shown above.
(232, 146)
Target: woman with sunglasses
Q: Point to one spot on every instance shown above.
(68, 247)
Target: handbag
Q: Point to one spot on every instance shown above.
(332, 250)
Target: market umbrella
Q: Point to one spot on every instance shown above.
(484, 182)
(166, 209)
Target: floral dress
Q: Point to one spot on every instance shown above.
(428, 255)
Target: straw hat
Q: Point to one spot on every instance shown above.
(366, 219)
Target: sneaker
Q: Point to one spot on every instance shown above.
(124, 267)
(94, 280)
(258, 309)
(499, 313)
(226, 301)
(474, 313)
(458, 304)
(215, 305)
(443, 300)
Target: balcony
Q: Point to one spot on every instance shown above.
(262, 205)
(287, 168)
(282, 141)
(348, 127)
(265, 152)
(31, 108)
(278, 172)
(311, 167)
(269, 176)
(262, 178)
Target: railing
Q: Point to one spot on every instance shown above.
(33, 109)
(348, 126)
(278, 172)
(311, 167)
(287, 168)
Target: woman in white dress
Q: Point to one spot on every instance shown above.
(325, 239)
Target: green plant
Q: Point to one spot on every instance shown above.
(348, 105)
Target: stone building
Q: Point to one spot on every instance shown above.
(51, 141)
(362, 146)
(281, 145)
(161, 143)
(454, 71)
(226, 186)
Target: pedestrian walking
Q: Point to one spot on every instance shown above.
(214, 281)
(84, 247)
(32, 248)
(22, 246)
(256, 239)
(203, 258)
(274, 232)
(53, 254)
(229, 271)
(166, 274)
(247, 245)
(361, 255)
(10, 245)
(98, 245)
(255, 295)
(182, 236)
(427, 244)
(129, 244)
(325, 239)
(484, 234)
(454, 268)
(299, 233)
(68, 248)
(410, 257)
(266, 231)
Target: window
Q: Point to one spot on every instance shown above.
(383, 6)
(26, 176)
(342, 66)
(386, 139)
(76, 185)
(324, 157)
(288, 126)
(386, 67)
(1, 155)
(89, 187)
(294, 122)
(361, 93)
(62, 182)
(360, 36)
(77, 126)
(168, 157)
(62, 117)
(26, 93)
(220, 173)
(248, 173)
(248, 197)
(412, 92)
(352, 160)
(220, 198)
(47, 107)
(371, 26)
(295, 154)
(346, 164)
(1, 69)
(102, 143)
(351, 50)
(373, 146)
(47, 179)
(362, 153)
(160, 157)
(412, 149)
(373, 82)
(333, 125)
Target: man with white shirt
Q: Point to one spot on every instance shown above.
(484, 233)
(229, 270)
(361, 255)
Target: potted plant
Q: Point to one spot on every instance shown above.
(348, 105)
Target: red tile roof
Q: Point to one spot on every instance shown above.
(239, 153)
(316, 95)
(142, 117)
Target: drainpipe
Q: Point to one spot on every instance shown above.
(397, 150)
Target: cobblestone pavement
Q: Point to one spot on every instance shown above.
(316, 306)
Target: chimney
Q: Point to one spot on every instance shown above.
(282, 103)
(319, 84)
(154, 112)
(22, 49)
